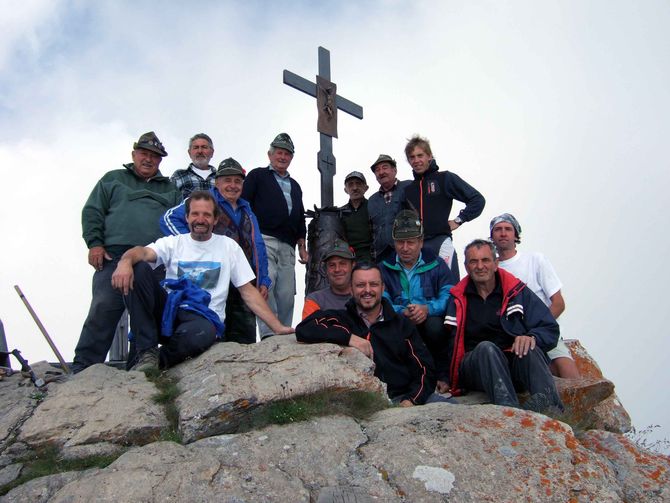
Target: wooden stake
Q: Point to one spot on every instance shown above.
(43, 330)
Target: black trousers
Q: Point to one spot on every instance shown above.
(107, 306)
(240, 320)
(500, 374)
(434, 337)
(192, 333)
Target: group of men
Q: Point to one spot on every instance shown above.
(228, 257)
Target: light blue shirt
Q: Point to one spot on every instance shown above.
(285, 186)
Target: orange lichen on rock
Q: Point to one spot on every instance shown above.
(656, 473)
(571, 441)
(527, 422)
(552, 425)
(508, 412)
(490, 423)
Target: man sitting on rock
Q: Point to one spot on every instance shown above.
(339, 260)
(369, 324)
(500, 331)
(211, 262)
(417, 285)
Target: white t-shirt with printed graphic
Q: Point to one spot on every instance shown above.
(536, 271)
(211, 264)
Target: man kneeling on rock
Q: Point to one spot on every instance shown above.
(501, 331)
(199, 267)
(369, 324)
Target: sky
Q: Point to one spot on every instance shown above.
(556, 111)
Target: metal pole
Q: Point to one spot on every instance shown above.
(42, 329)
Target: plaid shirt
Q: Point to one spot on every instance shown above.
(188, 180)
(388, 194)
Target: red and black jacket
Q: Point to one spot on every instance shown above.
(522, 313)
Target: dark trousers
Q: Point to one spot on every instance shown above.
(500, 374)
(240, 320)
(434, 244)
(192, 333)
(106, 309)
(433, 336)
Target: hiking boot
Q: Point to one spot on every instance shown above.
(146, 361)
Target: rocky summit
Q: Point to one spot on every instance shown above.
(197, 433)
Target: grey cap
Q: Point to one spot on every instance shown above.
(229, 167)
(339, 249)
(384, 158)
(407, 225)
(283, 140)
(149, 141)
(355, 174)
(509, 218)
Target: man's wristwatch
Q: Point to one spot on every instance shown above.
(459, 221)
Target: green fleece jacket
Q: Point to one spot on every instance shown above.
(123, 209)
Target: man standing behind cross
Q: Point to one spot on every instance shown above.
(432, 194)
(384, 205)
(276, 200)
(199, 175)
(356, 220)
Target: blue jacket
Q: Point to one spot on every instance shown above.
(428, 283)
(382, 216)
(522, 313)
(173, 222)
(183, 294)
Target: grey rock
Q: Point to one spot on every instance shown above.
(642, 475)
(610, 415)
(90, 450)
(10, 473)
(464, 453)
(19, 398)
(230, 381)
(100, 404)
(314, 455)
(42, 489)
(438, 452)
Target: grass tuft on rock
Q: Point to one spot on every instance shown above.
(357, 404)
(46, 461)
(168, 391)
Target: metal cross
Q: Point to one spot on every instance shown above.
(323, 91)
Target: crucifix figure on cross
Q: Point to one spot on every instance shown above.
(328, 102)
(326, 223)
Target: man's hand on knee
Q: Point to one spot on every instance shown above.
(122, 278)
(523, 344)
